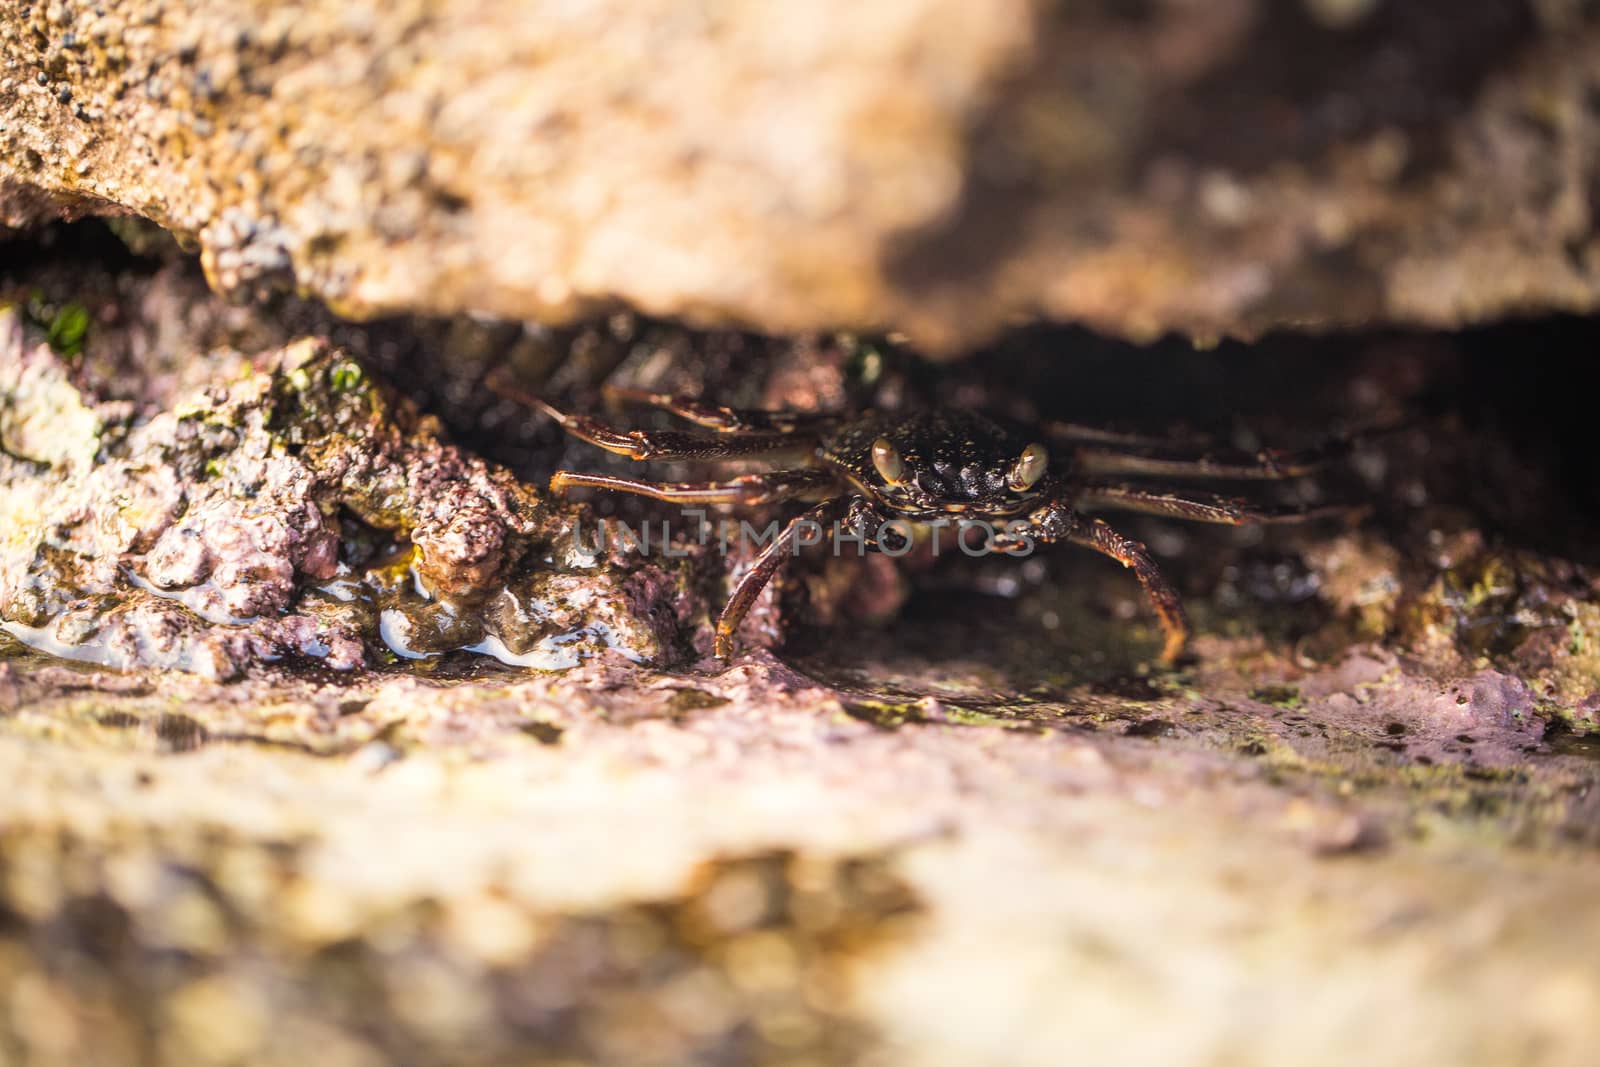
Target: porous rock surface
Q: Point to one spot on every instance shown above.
(925, 858)
(932, 166)
(1360, 822)
(292, 506)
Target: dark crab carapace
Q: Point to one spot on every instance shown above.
(922, 467)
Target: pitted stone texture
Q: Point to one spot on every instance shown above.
(291, 507)
(933, 166)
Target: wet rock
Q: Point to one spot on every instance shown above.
(929, 166)
(297, 508)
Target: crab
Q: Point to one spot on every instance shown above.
(891, 477)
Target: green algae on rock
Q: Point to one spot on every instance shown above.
(299, 508)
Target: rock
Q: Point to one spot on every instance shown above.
(392, 769)
(618, 865)
(960, 829)
(293, 506)
(929, 166)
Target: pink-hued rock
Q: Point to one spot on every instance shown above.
(208, 536)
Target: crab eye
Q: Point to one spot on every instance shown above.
(1029, 467)
(887, 459)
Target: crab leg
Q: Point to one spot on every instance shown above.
(1177, 462)
(719, 418)
(1058, 522)
(760, 573)
(668, 444)
(1073, 433)
(652, 444)
(1201, 507)
(749, 489)
(1134, 556)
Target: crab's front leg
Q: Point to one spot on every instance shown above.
(785, 544)
(1057, 521)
